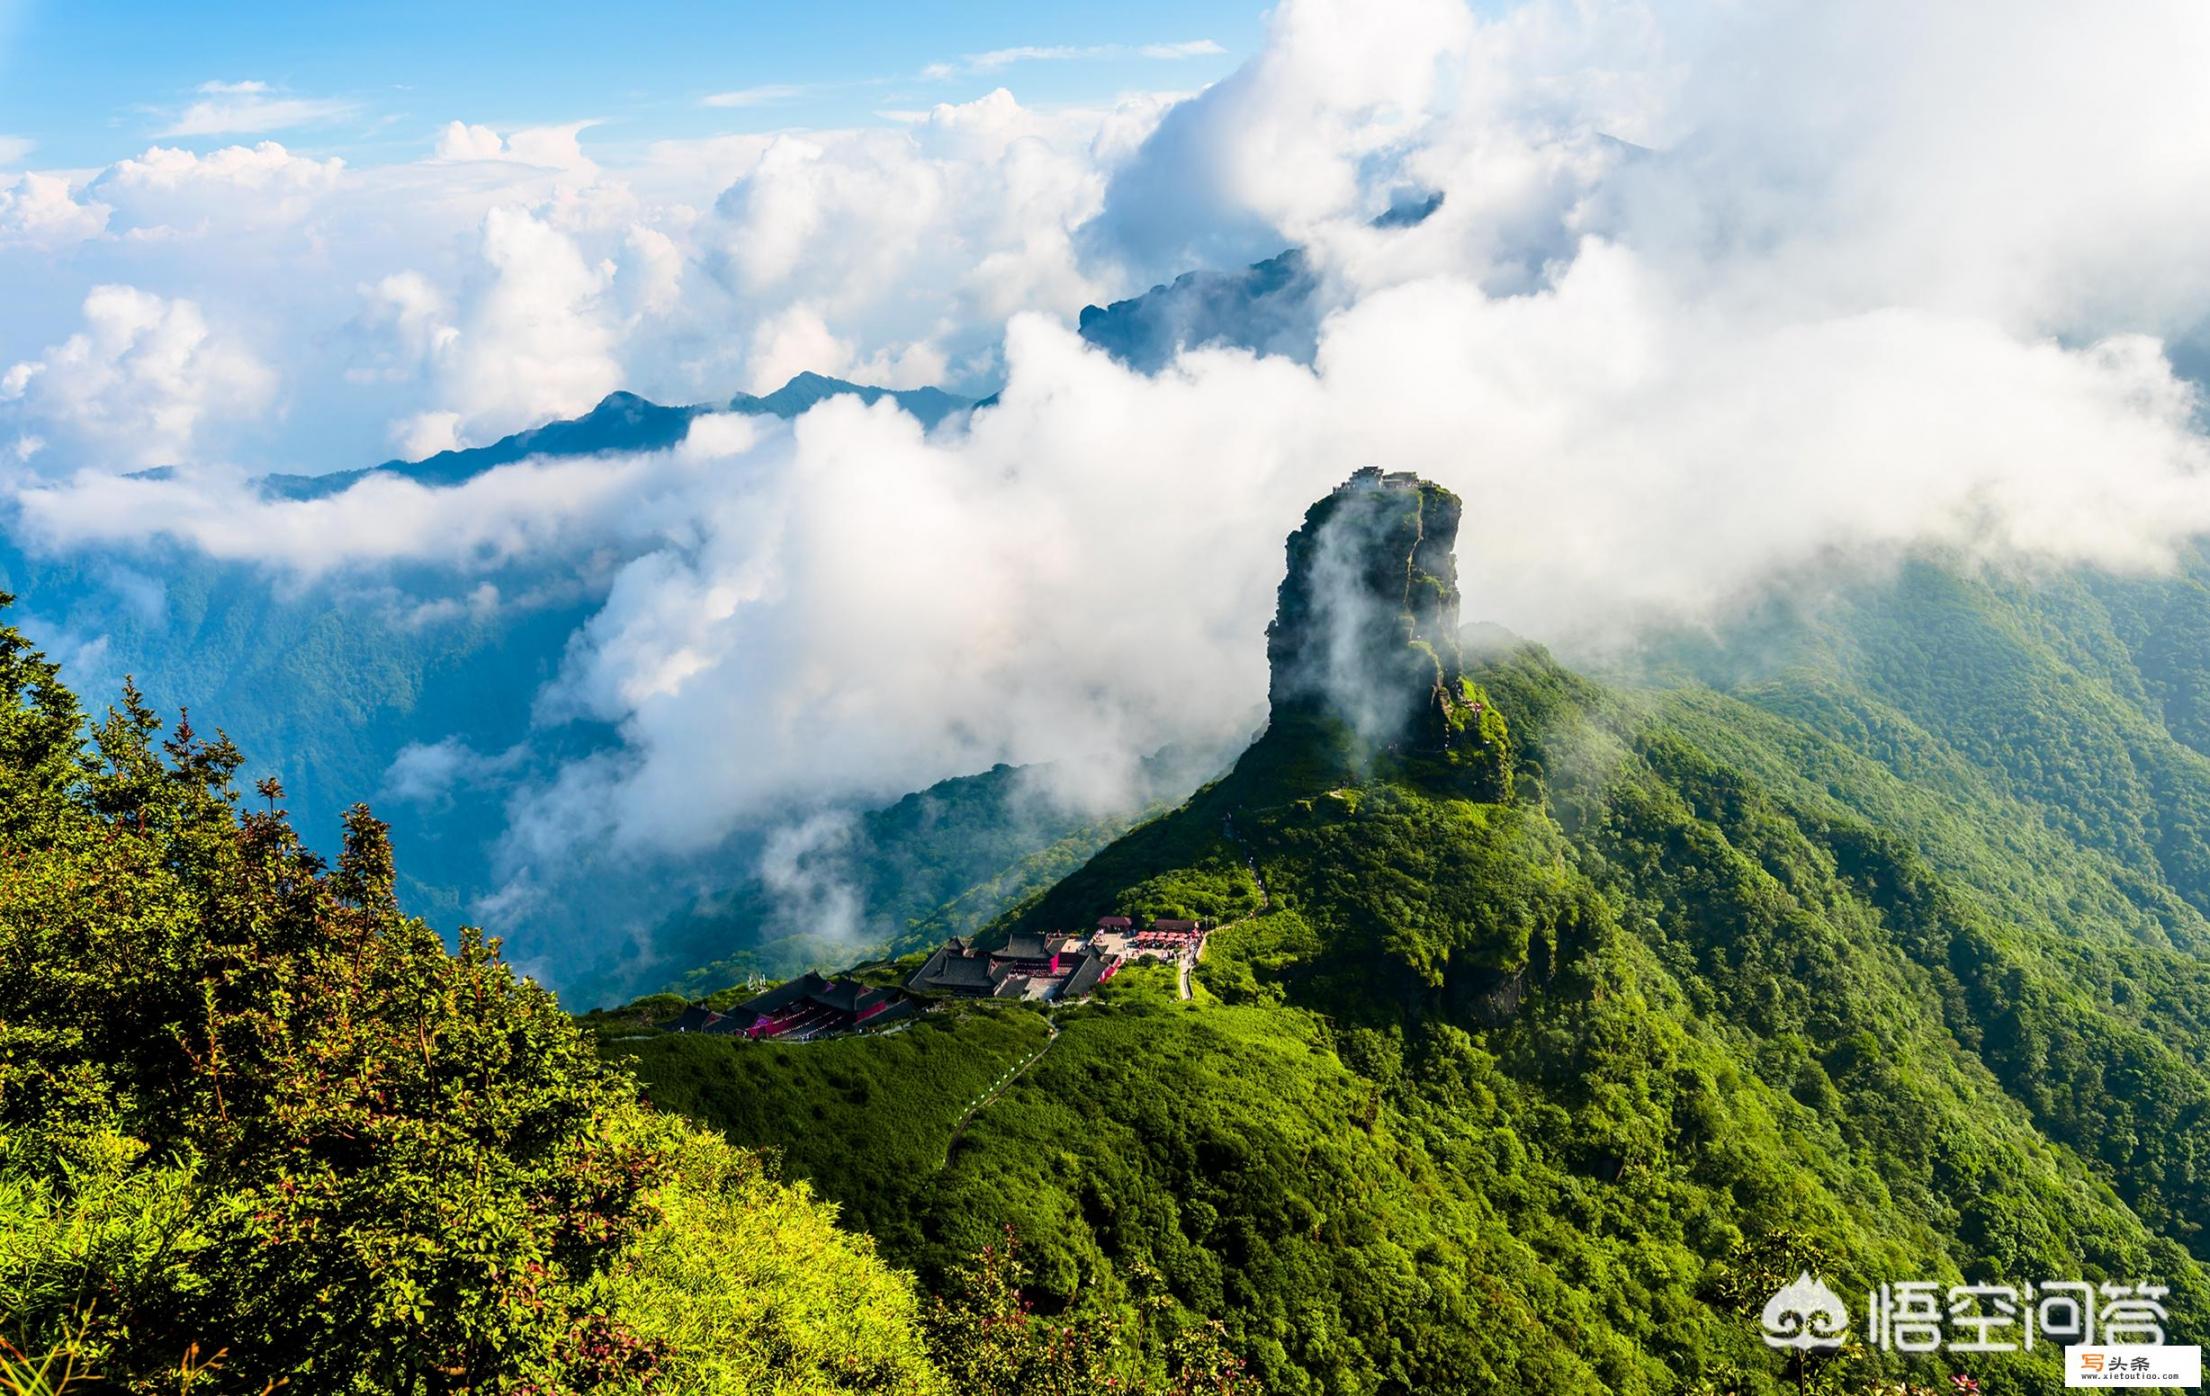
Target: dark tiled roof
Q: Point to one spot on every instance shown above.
(950, 971)
(805, 986)
(1087, 971)
(903, 1008)
(1116, 923)
(1168, 924)
(697, 1018)
(1026, 945)
(849, 996)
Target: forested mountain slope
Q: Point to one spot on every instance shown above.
(328, 682)
(259, 1129)
(1552, 1024)
(940, 862)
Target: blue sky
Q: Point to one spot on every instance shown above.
(90, 81)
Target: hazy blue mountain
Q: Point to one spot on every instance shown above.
(621, 422)
(325, 684)
(940, 862)
(1267, 307)
(1264, 307)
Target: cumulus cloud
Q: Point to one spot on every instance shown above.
(169, 190)
(791, 342)
(461, 141)
(139, 380)
(925, 237)
(535, 344)
(651, 277)
(911, 247)
(546, 147)
(411, 313)
(233, 108)
(40, 210)
(1289, 141)
(1713, 298)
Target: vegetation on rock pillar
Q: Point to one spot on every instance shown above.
(250, 1112)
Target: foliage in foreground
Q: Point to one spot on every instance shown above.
(249, 1110)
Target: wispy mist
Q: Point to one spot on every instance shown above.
(1713, 298)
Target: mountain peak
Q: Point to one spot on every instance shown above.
(1366, 629)
(930, 405)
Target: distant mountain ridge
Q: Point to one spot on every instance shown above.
(326, 685)
(622, 421)
(1268, 307)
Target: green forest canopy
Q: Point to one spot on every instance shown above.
(1547, 1090)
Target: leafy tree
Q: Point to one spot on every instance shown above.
(248, 1107)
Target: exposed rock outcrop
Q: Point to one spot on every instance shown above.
(1366, 629)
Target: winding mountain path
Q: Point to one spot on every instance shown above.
(999, 1087)
(1250, 860)
(1258, 879)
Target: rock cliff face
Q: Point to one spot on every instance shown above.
(1366, 629)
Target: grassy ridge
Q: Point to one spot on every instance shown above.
(869, 1118)
(1770, 972)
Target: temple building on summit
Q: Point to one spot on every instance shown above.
(1041, 966)
(805, 1008)
(1055, 966)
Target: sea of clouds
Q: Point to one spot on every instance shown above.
(1716, 294)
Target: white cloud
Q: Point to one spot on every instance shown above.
(792, 342)
(651, 279)
(1863, 281)
(851, 609)
(808, 868)
(765, 95)
(235, 187)
(429, 773)
(427, 434)
(891, 237)
(995, 59)
(461, 141)
(233, 108)
(1189, 48)
(798, 340)
(912, 246)
(14, 150)
(533, 344)
(40, 210)
(1287, 141)
(544, 147)
(413, 312)
(139, 380)
(512, 515)
(554, 147)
